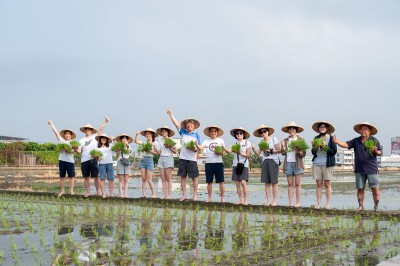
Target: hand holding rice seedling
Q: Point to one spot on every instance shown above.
(263, 145)
(169, 143)
(370, 146)
(145, 147)
(63, 147)
(320, 143)
(298, 144)
(97, 155)
(75, 144)
(235, 148)
(191, 145)
(218, 150)
(120, 146)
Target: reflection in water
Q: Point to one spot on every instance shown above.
(240, 239)
(188, 237)
(215, 236)
(64, 220)
(361, 243)
(122, 237)
(146, 231)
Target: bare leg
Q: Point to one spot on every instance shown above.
(72, 185)
(164, 182)
(376, 195)
(126, 179)
(62, 186)
(195, 187)
(87, 186)
(222, 191)
(267, 193)
(103, 188)
(97, 185)
(290, 182)
(143, 174)
(168, 176)
(244, 188)
(209, 192)
(239, 192)
(360, 197)
(183, 187)
(149, 179)
(111, 187)
(120, 182)
(319, 193)
(298, 190)
(274, 194)
(328, 192)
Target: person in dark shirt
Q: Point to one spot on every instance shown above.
(365, 162)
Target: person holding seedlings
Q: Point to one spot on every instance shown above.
(66, 163)
(366, 149)
(106, 167)
(188, 155)
(166, 162)
(215, 147)
(89, 166)
(270, 149)
(123, 150)
(324, 151)
(240, 165)
(293, 165)
(148, 148)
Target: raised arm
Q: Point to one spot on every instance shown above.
(340, 143)
(58, 136)
(100, 130)
(176, 123)
(136, 138)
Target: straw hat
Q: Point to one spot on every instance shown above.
(292, 124)
(62, 133)
(170, 131)
(196, 123)
(246, 134)
(149, 129)
(257, 131)
(82, 129)
(104, 135)
(330, 129)
(357, 127)
(118, 138)
(220, 132)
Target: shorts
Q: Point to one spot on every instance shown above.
(243, 176)
(292, 171)
(188, 168)
(90, 168)
(361, 179)
(147, 162)
(321, 172)
(269, 172)
(216, 169)
(123, 169)
(66, 167)
(106, 171)
(166, 162)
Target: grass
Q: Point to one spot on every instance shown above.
(263, 145)
(169, 143)
(63, 147)
(370, 146)
(74, 144)
(298, 144)
(190, 145)
(120, 146)
(218, 150)
(145, 147)
(235, 148)
(319, 143)
(97, 155)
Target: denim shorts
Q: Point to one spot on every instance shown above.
(361, 179)
(292, 171)
(106, 171)
(147, 162)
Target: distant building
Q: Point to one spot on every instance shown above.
(395, 146)
(11, 139)
(344, 157)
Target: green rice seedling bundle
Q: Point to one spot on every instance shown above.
(120, 146)
(169, 143)
(63, 147)
(218, 150)
(263, 145)
(145, 147)
(190, 145)
(320, 143)
(370, 146)
(98, 155)
(299, 144)
(75, 144)
(235, 148)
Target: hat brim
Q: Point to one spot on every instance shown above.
(206, 131)
(357, 128)
(82, 129)
(143, 132)
(246, 134)
(118, 138)
(330, 129)
(102, 136)
(170, 131)
(62, 133)
(196, 123)
(298, 130)
(256, 132)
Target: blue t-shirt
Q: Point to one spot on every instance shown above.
(364, 162)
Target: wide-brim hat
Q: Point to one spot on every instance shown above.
(104, 135)
(257, 131)
(119, 137)
(196, 123)
(82, 129)
(62, 133)
(246, 134)
(292, 124)
(206, 131)
(374, 130)
(330, 129)
(149, 129)
(170, 131)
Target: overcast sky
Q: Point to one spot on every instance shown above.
(230, 63)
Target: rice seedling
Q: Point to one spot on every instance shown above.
(169, 143)
(235, 148)
(74, 144)
(263, 145)
(119, 146)
(319, 143)
(97, 155)
(191, 145)
(63, 147)
(370, 146)
(145, 147)
(218, 150)
(298, 144)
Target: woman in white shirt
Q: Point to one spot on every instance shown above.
(106, 168)
(123, 165)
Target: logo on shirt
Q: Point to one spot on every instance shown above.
(212, 146)
(87, 143)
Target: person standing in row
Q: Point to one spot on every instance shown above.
(215, 147)
(123, 164)
(166, 161)
(270, 162)
(89, 166)
(147, 163)
(293, 165)
(188, 155)
(240, 165)
(66, 163)
(323, 160)
(366, 149)
(106, 168)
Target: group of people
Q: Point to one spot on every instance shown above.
(324, 148)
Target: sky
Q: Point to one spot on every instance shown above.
(227, 62)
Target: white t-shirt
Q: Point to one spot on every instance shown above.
(291, 156)
(187, 154)
(124, 155)
(87, 145)
(164, 150)
(244, 145)
(209, 146)
(154, 147)
(65, 156)
(107, 155)
(271, 144)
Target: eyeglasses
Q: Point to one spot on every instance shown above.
(323, 126)
(239, 133)
(263, 131)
